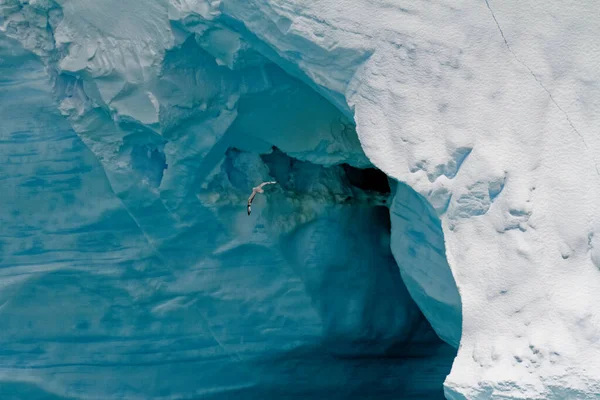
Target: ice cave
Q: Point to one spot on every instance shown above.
(424, 240)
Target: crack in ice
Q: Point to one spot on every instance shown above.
(539, 81)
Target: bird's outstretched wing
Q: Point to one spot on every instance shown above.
(266, 183)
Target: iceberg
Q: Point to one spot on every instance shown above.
(433, 231)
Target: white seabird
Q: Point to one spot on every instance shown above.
(257, 189)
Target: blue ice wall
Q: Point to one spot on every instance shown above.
(117, 280)
(418, 246)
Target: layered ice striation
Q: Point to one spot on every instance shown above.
(131, 138)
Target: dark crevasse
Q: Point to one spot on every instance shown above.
(131, 269)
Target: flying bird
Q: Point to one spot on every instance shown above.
(257, 189)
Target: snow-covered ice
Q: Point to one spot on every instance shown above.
(132, 132)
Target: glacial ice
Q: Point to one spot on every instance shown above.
(133, 131)
(131, 270)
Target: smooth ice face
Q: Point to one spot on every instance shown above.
(418, 245)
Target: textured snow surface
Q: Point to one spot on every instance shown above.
(487, 110)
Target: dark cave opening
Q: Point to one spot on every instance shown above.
(368, 179)
(371, 327)
(356, 201)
